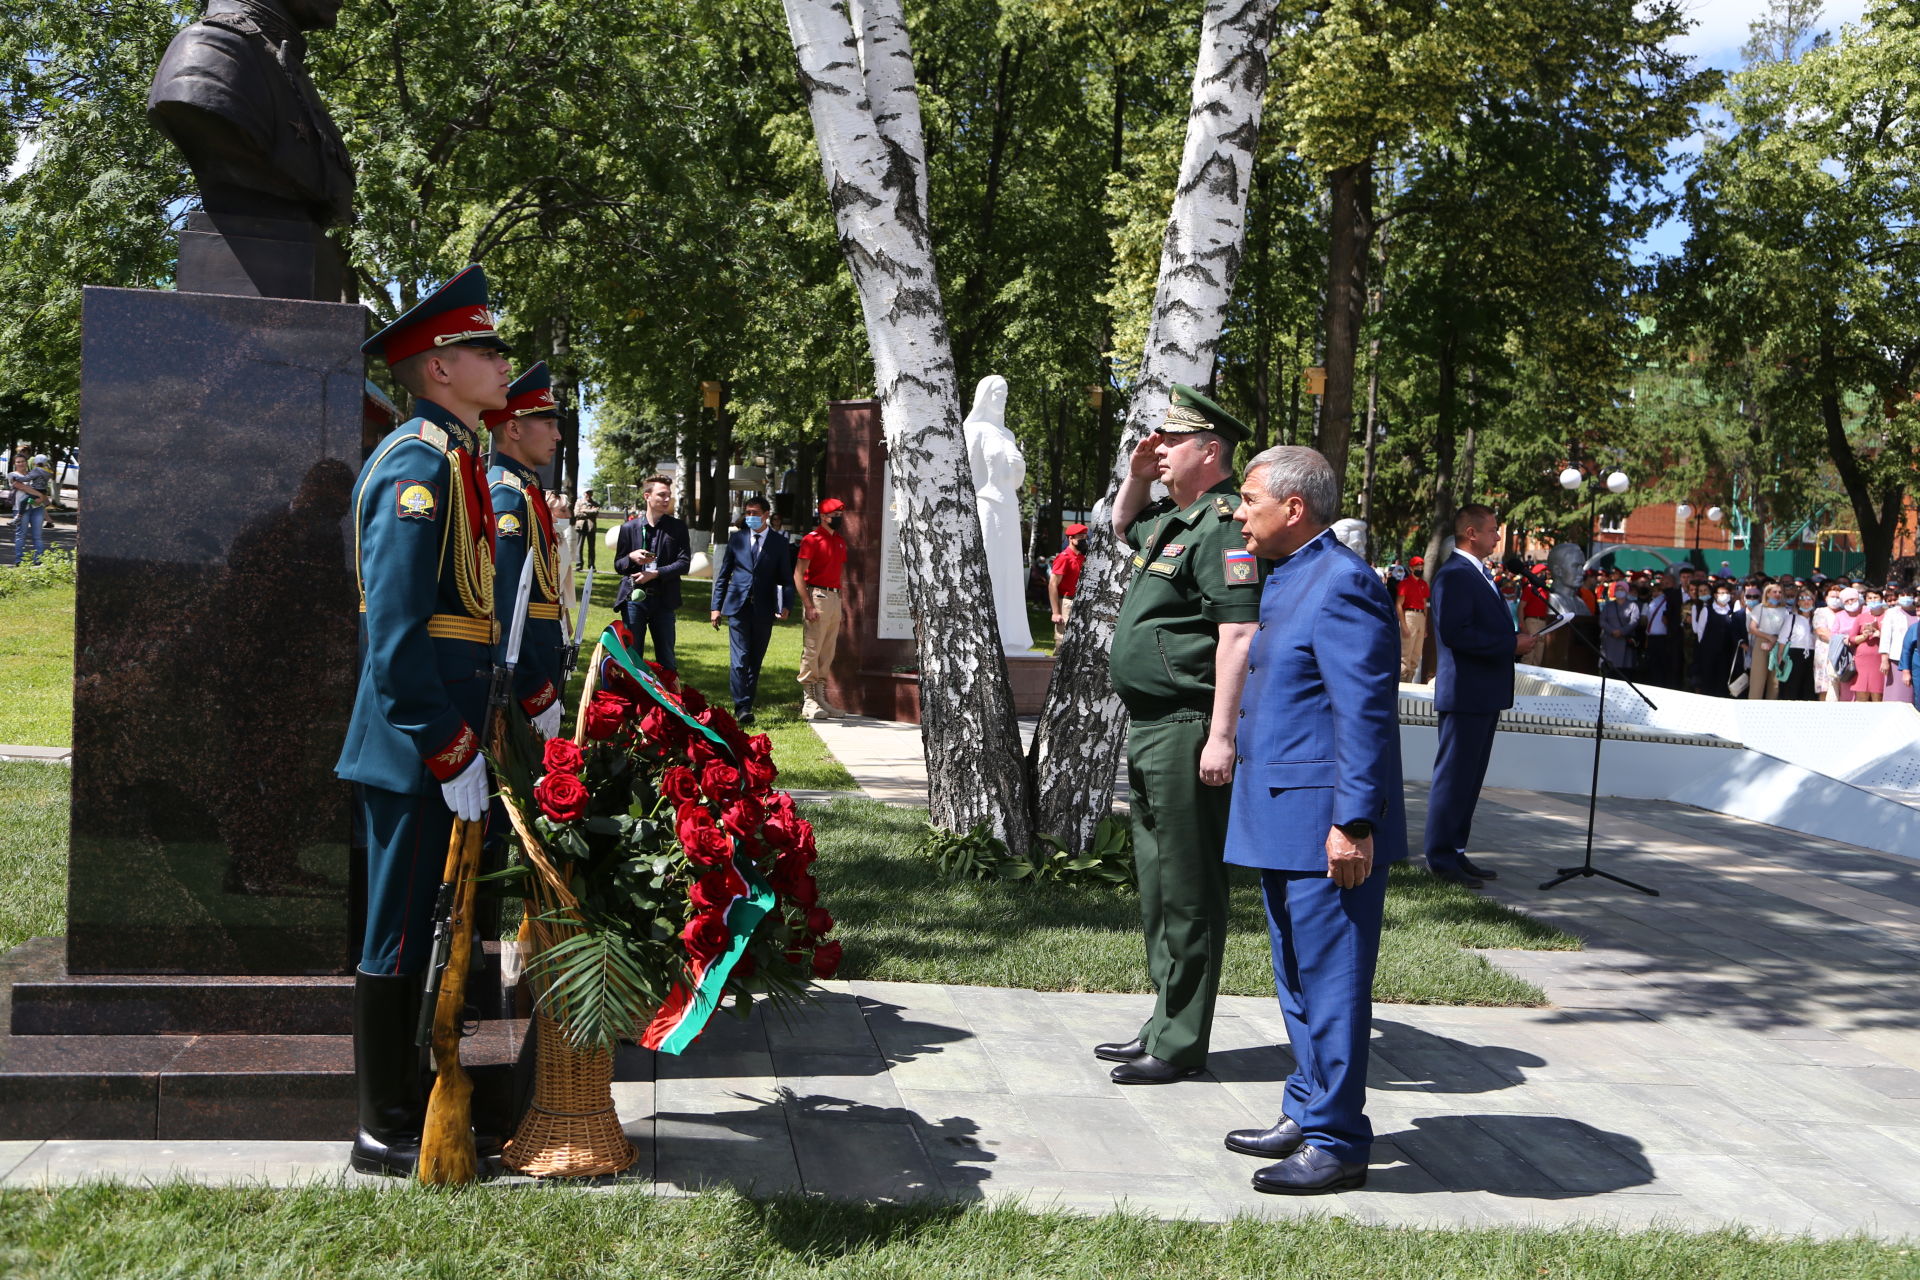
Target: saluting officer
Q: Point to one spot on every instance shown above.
(423, 548)
(1178, 663)
(525, 435)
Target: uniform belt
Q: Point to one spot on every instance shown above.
(548, 611)
(814, 586)
(1411, 609)
(451, 626)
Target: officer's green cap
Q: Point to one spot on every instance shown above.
(1190, 411)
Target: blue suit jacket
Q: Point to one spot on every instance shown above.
(763, 586)
(1473, 635)
(672, 554)
(1319, 736)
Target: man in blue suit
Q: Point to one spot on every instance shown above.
(750, 587)
(1317, 807)
(1474, 637)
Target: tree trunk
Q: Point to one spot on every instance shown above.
(856, 73)
(1878, 520)
(1443, 507)
(1082, 729)
(1350, 226)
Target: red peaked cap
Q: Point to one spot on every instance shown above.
(530, 396)
(832, 505)
(455, 313)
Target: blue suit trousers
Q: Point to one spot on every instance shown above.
(748, 633)
(1326, 942)
(1459, 769)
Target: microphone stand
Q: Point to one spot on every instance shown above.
(1586, 867)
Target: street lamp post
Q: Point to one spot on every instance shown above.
(1616, 482)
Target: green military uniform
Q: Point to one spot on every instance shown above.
(1190, 572)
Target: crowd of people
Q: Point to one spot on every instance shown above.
(1788, 638)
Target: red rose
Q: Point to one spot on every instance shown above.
(742, 817)
(707, 845)
(714, 890)
(806, 845)
(680, 786)
(718, 720)
(778, 830)
(689, 818)
(706, 935)
(720, 781)
(800, 888)
(563, 755)
(562, 797)
(760, 747)
(665, 675)
(819, 923)
(826, 960)
(606, 713)
(745, 966)
(694, 701)
(760, 776)
(700, 751)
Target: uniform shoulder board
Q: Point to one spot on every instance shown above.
(1224, 505)
(512, 481)
(433, 435)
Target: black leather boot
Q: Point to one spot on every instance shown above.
(386, 1074)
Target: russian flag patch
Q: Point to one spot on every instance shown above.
(1241, 569)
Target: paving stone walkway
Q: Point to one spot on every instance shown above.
(1743, 1049)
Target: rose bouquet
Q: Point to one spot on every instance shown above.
(664, 877)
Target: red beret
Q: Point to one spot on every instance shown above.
(832, 505)
(1416, 562)
(1073, 529)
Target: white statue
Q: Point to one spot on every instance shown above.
(998, 470)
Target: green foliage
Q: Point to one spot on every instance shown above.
(965, 855)
(980, 855)
(56, 569)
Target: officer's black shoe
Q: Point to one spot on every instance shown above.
(1276, 1143)
(1121, 1051)
(743, 717)
(1147, 1069)
(1474, 869)
(1309, 1171)
(1452, 876)
(386, 1074)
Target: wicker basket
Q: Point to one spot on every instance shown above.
(571, 1130)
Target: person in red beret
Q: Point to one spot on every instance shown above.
(817, 569)
(1064, 579)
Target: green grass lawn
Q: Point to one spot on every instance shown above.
(902, 922)
(393, 1232)
(33, 851)
(36, 668)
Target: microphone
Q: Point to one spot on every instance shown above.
(1514, 564)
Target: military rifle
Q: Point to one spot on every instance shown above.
(447, 1153)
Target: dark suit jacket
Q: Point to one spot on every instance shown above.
(672, 554)
(1710, 658)
(1473, 636)
(764, 585)
(1319, 739)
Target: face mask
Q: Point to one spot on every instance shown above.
(1906, 602)
(1752, 596)
(754, 522)
(1723, 597)
(1853, 606)
(1833, 602)
(1397, 572)
(1878, 606)
(833, 522)
(1806, 606)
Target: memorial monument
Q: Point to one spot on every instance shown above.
(203, 988)
(998, 471)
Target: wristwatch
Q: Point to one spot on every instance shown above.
(1355, 830)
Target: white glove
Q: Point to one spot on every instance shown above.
(547, 723)
(466, 791)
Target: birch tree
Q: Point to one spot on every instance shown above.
(1083, 726)
(856, 74)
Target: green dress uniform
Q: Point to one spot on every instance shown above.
(524, 525)
(1191, 572)
(423, 531)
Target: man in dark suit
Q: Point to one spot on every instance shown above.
(750, 585)
(1475, 641)
(651, 554)
(1318, 808)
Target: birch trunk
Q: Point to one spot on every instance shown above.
(856, 72)
(1083, 728)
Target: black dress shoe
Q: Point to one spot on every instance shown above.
(1121, 1050)
(743, 718)
(1474, 869)
(1147, 1069)
(1309, 1171)
(1453, 876)
(1276, 1143)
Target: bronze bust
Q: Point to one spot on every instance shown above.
(232, 93)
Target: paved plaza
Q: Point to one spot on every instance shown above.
(1743, 1049)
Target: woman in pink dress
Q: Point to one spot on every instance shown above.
(1859, 626)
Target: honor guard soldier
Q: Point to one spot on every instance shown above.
(423, 548)
(525, 435)
(1179, 661)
